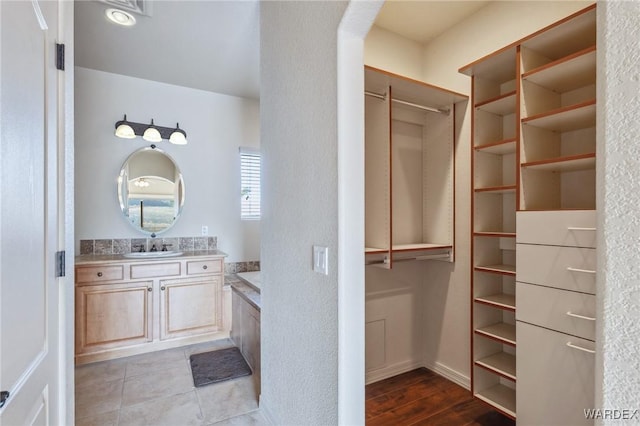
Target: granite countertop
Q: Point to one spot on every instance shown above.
(107, 258)
(244, 289)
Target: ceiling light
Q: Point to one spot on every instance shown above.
(120, 17)
(141, 183)
(178, 136)
(152, 134)
(124, 129)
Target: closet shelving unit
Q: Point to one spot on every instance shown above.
(409, 169)
(533, 148)
(558, 117)
(494, 183)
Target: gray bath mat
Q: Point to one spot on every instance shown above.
(218, 366)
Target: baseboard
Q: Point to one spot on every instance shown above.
(390, 371)
(264, 410)
(449, 373)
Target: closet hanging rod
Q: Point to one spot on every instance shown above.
(446, 255)
(411, 104)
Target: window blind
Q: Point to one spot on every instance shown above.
(249, 184)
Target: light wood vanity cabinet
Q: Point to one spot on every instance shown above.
(125, 306)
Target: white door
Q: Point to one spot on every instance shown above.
(30, 361)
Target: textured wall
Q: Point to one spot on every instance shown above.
(618, 162)
(216, 126)
(300, 180)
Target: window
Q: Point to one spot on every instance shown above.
(249, 184)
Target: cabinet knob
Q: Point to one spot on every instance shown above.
(99, 274)
(149, 289)
(204, 267)
(162, 288)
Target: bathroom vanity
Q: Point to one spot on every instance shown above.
(125, 306)
(245, 331)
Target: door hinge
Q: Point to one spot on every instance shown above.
(60, 263)
(4, 395)
(60, 56)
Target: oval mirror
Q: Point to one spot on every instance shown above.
(150, 190)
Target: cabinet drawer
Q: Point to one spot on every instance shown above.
(575, 228)
(150, 270)
(555, 381)
(569, 268)
(560, 310)
(97, 274)
(199, 267)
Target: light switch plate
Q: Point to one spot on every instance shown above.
(321, 259)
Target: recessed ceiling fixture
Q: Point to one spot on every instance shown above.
(120, 17)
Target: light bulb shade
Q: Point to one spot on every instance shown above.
(124, 130)
(178, 136)
(152, 134)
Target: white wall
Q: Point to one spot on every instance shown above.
(389, 51)
(216, 125)
(298, 104)
(618, 225)
(446, 287)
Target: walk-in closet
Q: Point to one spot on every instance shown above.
(480, 199)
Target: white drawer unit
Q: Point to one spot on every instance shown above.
(569, 268)
(555, 377)
(566, 311)
(570, 228)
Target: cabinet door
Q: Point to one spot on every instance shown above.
(113, 315)
(190, 306)
(555, 381)
(251, 336)
(236, 319)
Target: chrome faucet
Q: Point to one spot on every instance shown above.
(153, 248)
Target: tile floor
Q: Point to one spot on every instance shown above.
(157, 389)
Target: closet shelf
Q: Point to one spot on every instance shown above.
(420, 247)
(374, 250)
(507, 146)
(564, 164)
(500, 301)
(501, 105)
(496, 189)
(497, 269)
(502, 332)
(498, 234)
(501, 397)
(566, 74)
(565, 119)
(501, 363)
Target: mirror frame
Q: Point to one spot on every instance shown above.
(122, 180)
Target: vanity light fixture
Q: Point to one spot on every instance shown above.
(120, 17)
(178, 137)
(141, 183)
(150, 132)
(124, 129)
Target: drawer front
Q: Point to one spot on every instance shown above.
(97, 274)
(569, 268)
(150, 270)
(555, 381)
(566, 311)
(575, 228)
(200, 267)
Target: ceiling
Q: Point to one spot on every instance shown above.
(423, 20)
(215, 45)
(208, 45)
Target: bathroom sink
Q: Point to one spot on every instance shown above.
(152, 254)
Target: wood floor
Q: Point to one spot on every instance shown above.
(421, 397)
